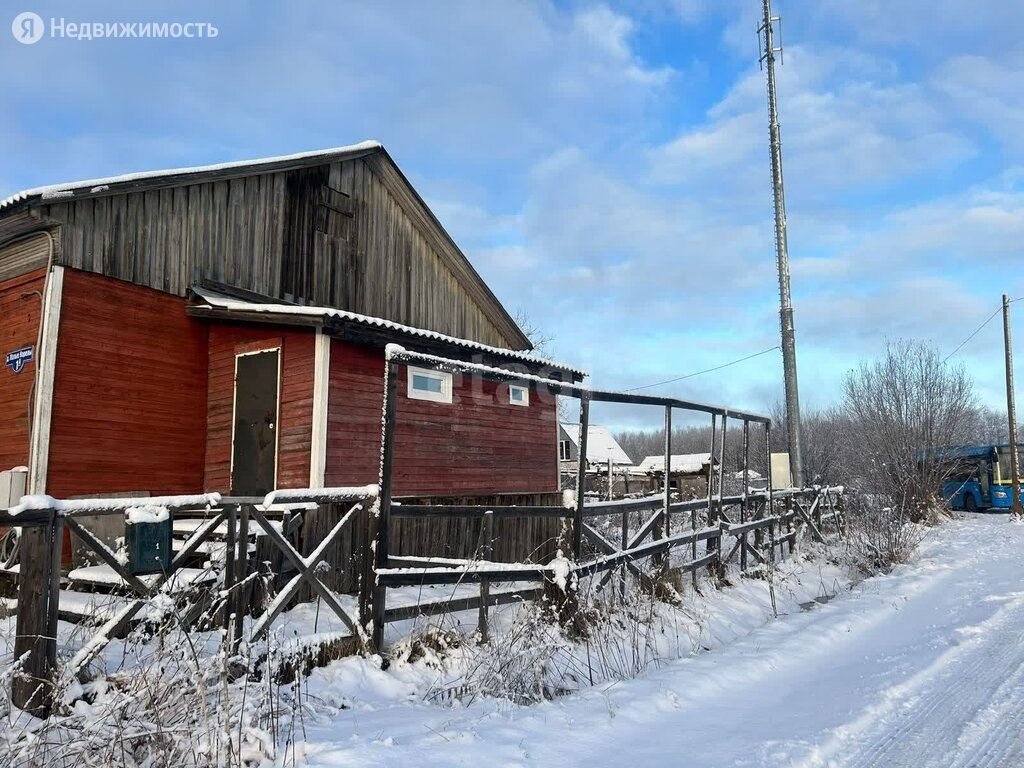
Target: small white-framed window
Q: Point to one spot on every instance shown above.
(518, 395)
(564, 451)
(425, 384)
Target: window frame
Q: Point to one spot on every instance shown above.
(568, 450)
(444, 396)
(525, 402)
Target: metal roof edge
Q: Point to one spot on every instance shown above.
(175, 176)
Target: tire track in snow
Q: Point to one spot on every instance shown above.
(923, 719)
(993, 738)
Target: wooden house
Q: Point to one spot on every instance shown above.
(601, 448)
(689, 472)
(223, 329)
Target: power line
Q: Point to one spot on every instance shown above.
(978, 329)
(707, 370)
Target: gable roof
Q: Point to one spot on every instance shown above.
(175, 176)
(601, 446)
(688, 463)
(377, 157)
(219, 306)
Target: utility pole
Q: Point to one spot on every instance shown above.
(766, 39)
(1016, 511)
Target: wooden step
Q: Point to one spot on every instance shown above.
(89, 607)
(186, 526)
(104, 576)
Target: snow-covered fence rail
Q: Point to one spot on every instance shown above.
(796, 508)
(709, 520)
(44, 519)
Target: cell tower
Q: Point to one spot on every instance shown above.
(767, 51)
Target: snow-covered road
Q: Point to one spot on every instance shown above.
(924, 667)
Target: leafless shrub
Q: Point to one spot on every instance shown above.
(533, 658)
(902, 408)
(172, 700)
(881, 532)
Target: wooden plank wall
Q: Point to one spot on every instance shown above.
(478, 444)
(295, 420)
(129, 391)
(19, 327)
(350, 235)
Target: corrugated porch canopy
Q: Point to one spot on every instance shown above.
(375, 331)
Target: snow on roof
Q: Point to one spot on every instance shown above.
(751, 475)
(683, 462)
(601, 446)
(228, 304)
(96, 186)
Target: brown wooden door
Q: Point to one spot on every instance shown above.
(254, 440)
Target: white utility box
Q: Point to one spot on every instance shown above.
(12, 487)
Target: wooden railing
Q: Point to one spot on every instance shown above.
(739, 517)
(671, 534)
(39, 579)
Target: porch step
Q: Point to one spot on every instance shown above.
(88, 607)
(186, 526)
(105, 577)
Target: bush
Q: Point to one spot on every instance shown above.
(882, 531)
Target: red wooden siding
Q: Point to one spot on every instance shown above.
(479, 443)
(19, 327)
(129, 399)
(295, 420)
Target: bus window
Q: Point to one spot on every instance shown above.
(1005, 473)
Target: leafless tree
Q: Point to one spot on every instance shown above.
(900, 409)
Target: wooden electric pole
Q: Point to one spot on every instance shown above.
(1016, 512)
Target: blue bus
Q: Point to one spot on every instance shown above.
(979, 477)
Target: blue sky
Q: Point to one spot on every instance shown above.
(605, 165)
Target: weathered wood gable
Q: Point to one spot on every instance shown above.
(351, 234)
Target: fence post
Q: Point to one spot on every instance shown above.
(662, 530)
(743, 493)
(791, 528)
(746, 470)
(668, 469)
(625, 546)
(230, 543)
(241, 573)
(769, 504)
(719, 565)
(581, 477)
(709, 547)
(485, 584)
(382, 519)
(38, 603)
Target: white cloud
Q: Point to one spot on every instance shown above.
(989, 92)
(841, 128)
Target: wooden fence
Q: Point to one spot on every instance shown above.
(353, 532)
(755, 516)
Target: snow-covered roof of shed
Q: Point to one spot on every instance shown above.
(683, 462)
(601, 446)
(230, 304)
(98, 186)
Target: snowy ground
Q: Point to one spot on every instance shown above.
(922, 667)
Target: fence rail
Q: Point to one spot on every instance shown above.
(754, 511)
(39, 580)
(597, 539)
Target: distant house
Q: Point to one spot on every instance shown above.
(686, 469)
(601, 447)
(223, 328)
